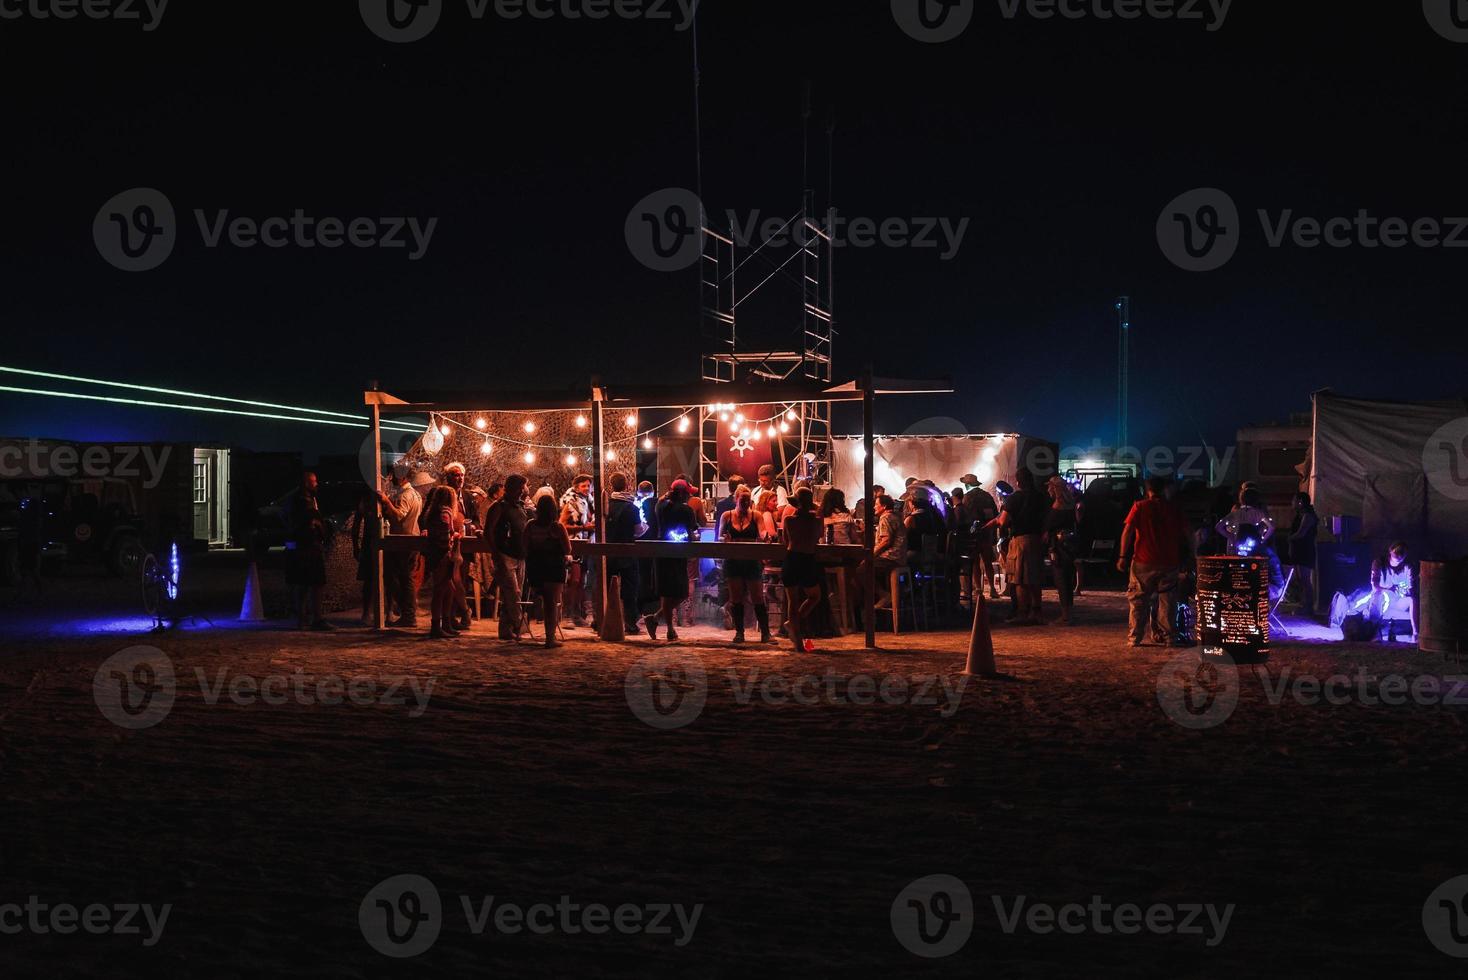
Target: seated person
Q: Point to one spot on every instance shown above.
(1392, 588)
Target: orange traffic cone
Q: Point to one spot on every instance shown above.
(613, 629)
(980, 642)
(252, 608)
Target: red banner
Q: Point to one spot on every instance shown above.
(742, 450)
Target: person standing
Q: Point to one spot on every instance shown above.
(1024, 518)
(624, 526)
(727, 503)
(677, 522)
(445, 531)
(576, 518)
(1155, 545)
(1301, 551)
(1060, 536)
(767, 484)
(306, 561)
(548, 558)
(455, 477)
(801, 575)
(745, 577)
(402, 570)
(505, 535)
(978, 510)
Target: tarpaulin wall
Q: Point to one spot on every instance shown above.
(1402, 467)
(942, 459)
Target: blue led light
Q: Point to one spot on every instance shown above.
(678, 534)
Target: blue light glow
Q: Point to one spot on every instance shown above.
(678, 534)
(173, 570)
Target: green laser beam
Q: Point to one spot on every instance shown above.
(192, 408)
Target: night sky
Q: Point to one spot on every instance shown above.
(1059, 141)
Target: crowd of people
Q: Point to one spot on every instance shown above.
(1015, 542)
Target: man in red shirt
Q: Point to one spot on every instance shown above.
(1155, 545)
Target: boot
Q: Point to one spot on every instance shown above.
(762, 616)
(436, 630)
(738, 613)
(651, 622)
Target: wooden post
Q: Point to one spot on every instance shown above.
(869, 534)
(381, 616)
(599, 471)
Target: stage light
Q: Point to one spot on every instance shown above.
(487, 448)
(581, 421)
(529, 458)
(529, 427)
(860, 452)
(481, 424)
(683, 424)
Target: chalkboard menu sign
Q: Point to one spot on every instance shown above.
(1233, 607)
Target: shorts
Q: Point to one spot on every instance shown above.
(1025, 560)
(751, 571)
(801, 571)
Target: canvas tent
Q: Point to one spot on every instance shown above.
(1401, 467)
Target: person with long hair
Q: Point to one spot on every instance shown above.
(677, 522)
(445, 530)
(548, 558)
(840, 527)
(802, 574)
(745, 577)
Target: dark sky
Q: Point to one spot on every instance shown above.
(1059, 141)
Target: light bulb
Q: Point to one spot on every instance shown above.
(631, 420)
(784, 426)
(790, 415)
(529, 427)
(581, 421)
(445, 430)
(481, 424)
(647, 443)
(738, 416)
(754, 436)
(723, 416)
(570, 459)
(683, 424)
(487, 448)
(611, 455)
(529, 458)
(771, 432)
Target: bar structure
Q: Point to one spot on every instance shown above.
(598, 399)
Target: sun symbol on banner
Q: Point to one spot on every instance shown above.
(741, 444)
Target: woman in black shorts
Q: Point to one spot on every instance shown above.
(548, 555)
(677, 522)
(802, 575)
(745, 576)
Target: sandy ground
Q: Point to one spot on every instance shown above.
(795, 821)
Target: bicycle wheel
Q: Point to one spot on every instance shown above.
(152, 576)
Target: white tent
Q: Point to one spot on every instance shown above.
(1401, 467)
(942, 459)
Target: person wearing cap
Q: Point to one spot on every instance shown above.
(455, 477)
(979, 509)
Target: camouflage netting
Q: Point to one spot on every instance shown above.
(561, 448)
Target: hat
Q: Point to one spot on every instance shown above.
(682, 484)
(969, 478)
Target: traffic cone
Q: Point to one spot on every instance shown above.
(981, 643)
(613, 629)
(252, 609)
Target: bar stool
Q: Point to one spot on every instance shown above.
(904, 599)
(931, 582)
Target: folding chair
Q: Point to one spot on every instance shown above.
(1276, 622)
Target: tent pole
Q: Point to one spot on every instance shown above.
(599, 471)
(380, 617)
(869, 531)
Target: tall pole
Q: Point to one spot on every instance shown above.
(869, 532)
(380, 616)
(599, 469)
(1123, 370)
